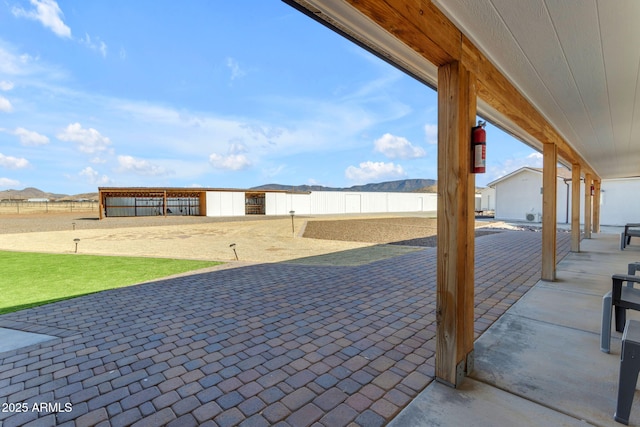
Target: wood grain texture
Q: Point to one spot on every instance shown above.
(596, 206)
(455, 277)
(549, 211)
(588, 180)
(575, 208)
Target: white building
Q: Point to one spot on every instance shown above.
(620, 201)
(487, 199)
(518, 197)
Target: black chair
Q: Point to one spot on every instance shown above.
(630, 230)
(624, 297)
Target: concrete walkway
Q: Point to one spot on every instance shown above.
(270, 344)
(540, 363)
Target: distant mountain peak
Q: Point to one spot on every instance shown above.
(35, 193)
(402, 185)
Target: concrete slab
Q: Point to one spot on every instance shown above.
(477, 404)
(588, 283)
(561, 307)
(11, 339)
(558, 367)
(599, 255)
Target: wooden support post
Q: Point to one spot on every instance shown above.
(549, 210)
(587, 205)
(164, 203)
(100, 204)
(455, 265)
(596, 206)
(575, 208)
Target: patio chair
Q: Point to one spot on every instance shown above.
(629, 369)
(621, 298)
(630, 230)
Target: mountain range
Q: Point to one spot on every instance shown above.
(404, 185)
(34, 193)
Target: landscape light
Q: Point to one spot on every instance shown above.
(76, 240)
(233, 246)
(73, 224)
(292, 213)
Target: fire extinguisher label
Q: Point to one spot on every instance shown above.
(479, 162)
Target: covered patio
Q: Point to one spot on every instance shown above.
(561, 76)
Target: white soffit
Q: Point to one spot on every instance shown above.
(578, 63)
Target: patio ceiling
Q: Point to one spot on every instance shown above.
(576, 61)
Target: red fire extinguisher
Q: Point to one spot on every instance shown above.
(479, 148)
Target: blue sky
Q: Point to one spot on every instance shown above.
(206, 93)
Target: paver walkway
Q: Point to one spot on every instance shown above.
(271, 344)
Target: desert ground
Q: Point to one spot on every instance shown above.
(255, 239)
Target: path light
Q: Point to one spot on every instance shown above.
(76, 240)
(292, 213)
(233, 246)
(73, 224)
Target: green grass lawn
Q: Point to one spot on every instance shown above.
(32, 279)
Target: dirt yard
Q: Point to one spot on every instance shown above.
(256, 239)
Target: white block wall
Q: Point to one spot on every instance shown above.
(323, 202)
(225, 203)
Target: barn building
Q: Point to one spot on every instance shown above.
(127, 202)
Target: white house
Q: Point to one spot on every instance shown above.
(518, 195)
(488, 199)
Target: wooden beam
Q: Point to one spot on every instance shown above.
(455, 265)
(549, 210)
(588, 180)
(419, 24)
(596, 206)
(575, 208)
(497, 91)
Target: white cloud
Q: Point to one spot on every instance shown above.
(5, 105)
(13, 162)
(236, 71)
(533, 160)
(372, 171)
(140, 166)
(94, 177)
(97, 45)
(48, 13)
(431, 133)
(5, 85)
(9, 183)
(234, 162)
(30, 138)
(15, 63)
(397, 147)
(89, 140)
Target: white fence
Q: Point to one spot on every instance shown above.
(323, 202)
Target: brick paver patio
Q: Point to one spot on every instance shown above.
(271, 344)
